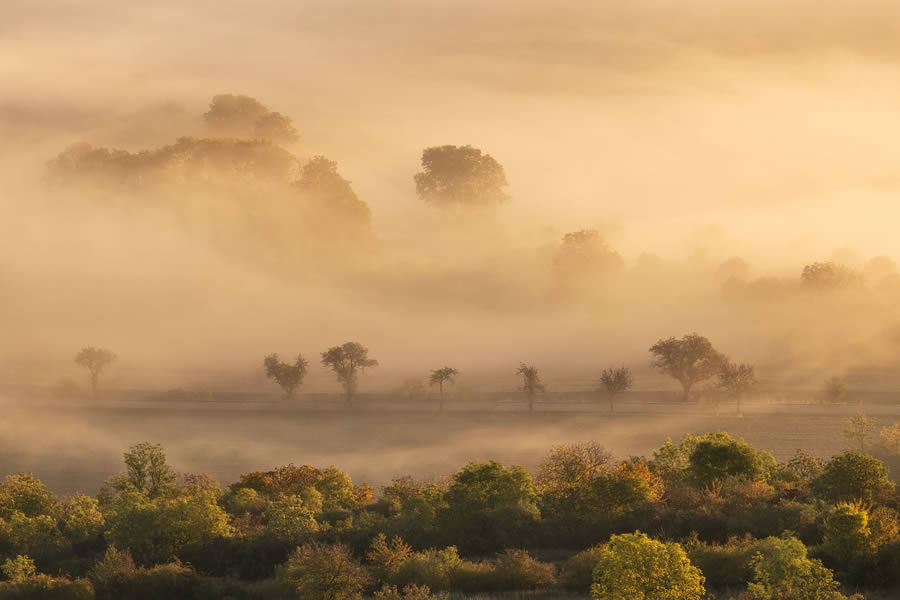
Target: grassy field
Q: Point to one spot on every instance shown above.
(76, 447)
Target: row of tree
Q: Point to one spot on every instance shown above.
(689, 360)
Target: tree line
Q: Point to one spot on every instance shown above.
(690, 360)
(706, 514)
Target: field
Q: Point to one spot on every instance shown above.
(74, 446)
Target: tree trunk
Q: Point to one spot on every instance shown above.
(441, 387)
(739, 413)
(94, 378)
(612, 406)
(530, 403)
(687, 391)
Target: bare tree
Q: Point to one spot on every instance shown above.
(531, 383)
(441, 376)
(94, 360)
(347, 361)
(689, 360)
(616, 381)
(287, 375)
(736, 380)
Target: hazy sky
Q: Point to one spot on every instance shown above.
(774, 121)
(645, 112)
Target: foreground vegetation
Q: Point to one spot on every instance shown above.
(720, 517)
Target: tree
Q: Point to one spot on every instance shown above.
(781, 569)
(736, 380)
(859, 429)
(324, 572)
(276, 127)
(330, 196)
(441, 376)
(828, 275)
(458, 176)
(890, 437)
(689, 360)
(234, 115)
(287, 375)
(616, 381)
(290, 519)
(531, 383)
(564, 477)
(94, 360)
(585, 254)
(853, 476)
(835, 389)
(717, 456)
(490, 507)
(347, 361)
(847, 533)
(633, 566)
(147, 470)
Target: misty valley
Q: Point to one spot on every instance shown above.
(397, 300)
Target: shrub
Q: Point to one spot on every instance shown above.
(323, 572)
(853, 476)
(634, 566)
(45, 587)
(781, 570)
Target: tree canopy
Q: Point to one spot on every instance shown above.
(460, 176)
(690, 360)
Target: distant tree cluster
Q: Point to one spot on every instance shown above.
(245, 117)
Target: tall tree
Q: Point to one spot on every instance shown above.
(531, 383)
(94, 360)
(689, 360)
(460, 176)
(287, 375)
(616, 381)
(234, 115)
(347, 361)
(736, 380)
(441, 376)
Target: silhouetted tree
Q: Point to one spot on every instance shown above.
(689, 360)
(94, 360)
(347, 361)
(276, 127)
(616, 381)
(585, 254)
(531, 383)
(829, 275)
(441, 376)
(736, 380)
(460, 176)
(287, 375)
(329, 194)
(236, 115)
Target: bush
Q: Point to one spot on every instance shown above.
(719, 456)
(853, 476)
(323, 572)
(396, 564)
(634, 566)
(44, 587)
(781, 570)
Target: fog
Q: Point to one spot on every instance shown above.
(686, 134)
